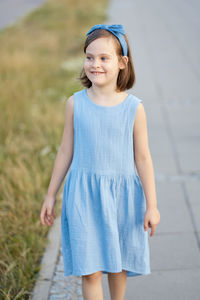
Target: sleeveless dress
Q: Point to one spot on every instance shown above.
(103, 203)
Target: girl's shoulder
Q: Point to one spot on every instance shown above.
(74, 97)
(78, 93)
(136, 99)
(137, 103)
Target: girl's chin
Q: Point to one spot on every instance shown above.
(97, 80)
(98, 77)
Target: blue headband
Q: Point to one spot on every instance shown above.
(117, 30)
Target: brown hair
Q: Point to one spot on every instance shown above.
(126, 77)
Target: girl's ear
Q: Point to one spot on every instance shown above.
(123, 62)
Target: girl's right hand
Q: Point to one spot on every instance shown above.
(47, 211)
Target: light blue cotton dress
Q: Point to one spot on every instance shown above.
(103, 206)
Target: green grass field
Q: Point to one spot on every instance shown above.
(40, 59)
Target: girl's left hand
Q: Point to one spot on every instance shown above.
(151, 219)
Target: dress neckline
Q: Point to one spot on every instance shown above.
(106, 107)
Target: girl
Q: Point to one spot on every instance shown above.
(107, 207)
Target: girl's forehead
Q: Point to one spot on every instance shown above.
(101, 45)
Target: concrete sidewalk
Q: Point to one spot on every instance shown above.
(164, 37)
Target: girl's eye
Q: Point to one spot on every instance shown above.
(88, 57)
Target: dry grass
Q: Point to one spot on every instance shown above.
(37, 75)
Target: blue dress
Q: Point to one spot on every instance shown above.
(103, 203)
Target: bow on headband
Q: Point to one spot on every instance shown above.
(117, 30)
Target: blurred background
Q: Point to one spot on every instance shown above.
(41, 54)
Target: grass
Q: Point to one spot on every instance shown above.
(40, 58)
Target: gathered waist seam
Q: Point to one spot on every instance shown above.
(105, 172)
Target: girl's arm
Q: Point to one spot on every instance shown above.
(61, 165)
(145, 168)
(65, 152)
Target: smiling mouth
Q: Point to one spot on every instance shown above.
(97, 73)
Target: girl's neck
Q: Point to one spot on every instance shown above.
(105, 93)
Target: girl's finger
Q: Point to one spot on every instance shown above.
(48, 221)
(42, 217)
(153, 229)
(49, 217)
(46, 217)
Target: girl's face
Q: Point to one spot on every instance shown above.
(101, 63)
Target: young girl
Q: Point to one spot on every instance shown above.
(107, 208)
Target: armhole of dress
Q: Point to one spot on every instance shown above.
(137, 101)
(74, 112)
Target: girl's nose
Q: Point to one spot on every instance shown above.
(96, 63)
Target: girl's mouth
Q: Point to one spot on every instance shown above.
(97, 73)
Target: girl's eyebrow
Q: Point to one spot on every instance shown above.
(87, 53)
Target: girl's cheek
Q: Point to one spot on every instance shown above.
(87, 65)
